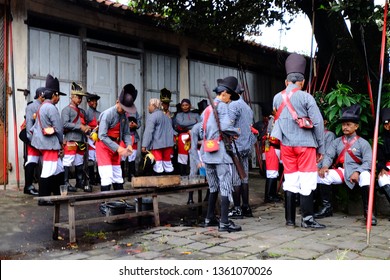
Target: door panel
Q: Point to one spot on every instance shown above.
(101, 78)
(129, 72)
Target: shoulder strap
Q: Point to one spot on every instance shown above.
(286, 102)
(77, 111)
(347, 146)
(206, 117)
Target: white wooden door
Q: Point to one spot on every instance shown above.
(129, 71)
(101, 78)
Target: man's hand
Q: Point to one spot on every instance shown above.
(354, 177)
(124, 152)
(85, 128)
(323, 171)
(319, 157)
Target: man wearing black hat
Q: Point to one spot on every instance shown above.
(75, 138)
(383, 165)
(218, 163)
(114, 139)
(300, 148)
(92, 115)
(47, 137)
(242, 117)
(352, 157)
(165, 98)
(32, 153)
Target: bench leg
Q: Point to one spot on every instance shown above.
(56, 219)
(156, 211)
(72, 223)
(200, 200)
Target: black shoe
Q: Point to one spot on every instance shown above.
(326, 211)
(290, 224)
(246, 211)
(210, 223)
(87, 188)
(374, 221)
(309, 222)
(30, 190)
(229, 227)
(235, 213)
(45, 203)
(70, 187)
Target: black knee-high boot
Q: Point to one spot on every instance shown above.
(66, 179)
(246, 209)
(271, 186)
(225, 225)
(211, 205)
(117, 186)
(79, 169)
(236, 211)
(131, 170)
(105, 188)
(28, 179)
(57, 181)
(91, 172)
(45, 190)
(386, 189)
(326, 200)
(308, 220)
(290, 208)
(224, 209)
(365, 192)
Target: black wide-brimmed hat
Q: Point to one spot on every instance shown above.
(230, 85)
(127, 98)
(92, 96)
(350, 114)
(53, 85)
(165, 95)
(77, 89)
(385, 115)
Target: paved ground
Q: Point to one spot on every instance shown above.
(25, 233)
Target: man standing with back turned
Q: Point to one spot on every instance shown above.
(300, 148)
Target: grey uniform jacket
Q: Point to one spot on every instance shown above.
(31, 109)
(109, 119)
(328, 139)
(72, 129)
(194, 155)
(49, 116)
(183, 122)
(287, 130)
(158, 132)
(212, 132)
(90, 114)
(242, 115)
(361, 149)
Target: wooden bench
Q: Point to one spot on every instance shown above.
(73, 200)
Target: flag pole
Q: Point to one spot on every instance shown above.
(375, 141)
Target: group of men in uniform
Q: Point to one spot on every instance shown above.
(301, 147)
(66, 139)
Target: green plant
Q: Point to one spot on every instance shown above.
(332, 103)
(385, 100)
